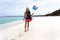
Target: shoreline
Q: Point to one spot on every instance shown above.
(2, 26)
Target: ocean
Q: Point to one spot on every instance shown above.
(4, 20)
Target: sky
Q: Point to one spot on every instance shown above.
(18, 7)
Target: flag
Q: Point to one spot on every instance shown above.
(35, 7)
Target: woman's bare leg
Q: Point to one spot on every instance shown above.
(25, 26)
(28, 26)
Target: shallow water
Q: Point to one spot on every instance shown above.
(4, 20)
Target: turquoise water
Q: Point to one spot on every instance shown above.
(4, 20)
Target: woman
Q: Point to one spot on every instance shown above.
(28, 18)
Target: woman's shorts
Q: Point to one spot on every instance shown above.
(28, 20)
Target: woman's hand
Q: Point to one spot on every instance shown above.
(23, 18)
(32, 13)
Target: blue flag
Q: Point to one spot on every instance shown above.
(35, 7)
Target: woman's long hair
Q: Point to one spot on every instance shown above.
(27, 10)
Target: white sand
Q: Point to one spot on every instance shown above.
(11, 30)
(41, 28)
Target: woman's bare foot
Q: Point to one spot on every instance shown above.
(27, 29)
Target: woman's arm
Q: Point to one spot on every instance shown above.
(24, 16)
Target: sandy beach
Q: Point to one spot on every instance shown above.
(41, 28)
(9, 30)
